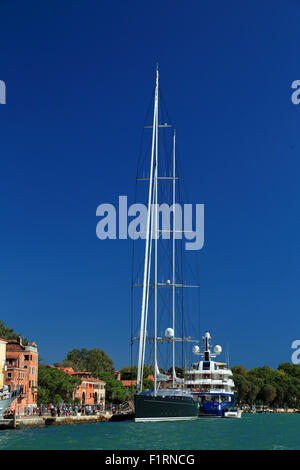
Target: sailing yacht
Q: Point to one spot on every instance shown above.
(163, 403)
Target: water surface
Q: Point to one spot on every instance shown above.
(257, 431)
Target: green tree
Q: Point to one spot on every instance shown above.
(239, 370)
(252, 393)
(43, 395)
(242, 386)
(95, 361)
(292, 370)
(130, 373)
(55, 385)
(148, 384)
(115, 392)
(9, 333)
(268, 394)
(267, 386)
(98, 361)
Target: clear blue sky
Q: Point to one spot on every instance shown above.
(79, 76)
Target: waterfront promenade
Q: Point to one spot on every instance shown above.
(48, 420)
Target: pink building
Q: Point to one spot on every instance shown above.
(22, 374)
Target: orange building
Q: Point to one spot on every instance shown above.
(132, 383)
(22, 374)
(128, 383)
(91, 391)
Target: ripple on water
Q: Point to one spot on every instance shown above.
(260, 431)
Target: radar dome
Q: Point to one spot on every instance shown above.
(218, 349)
(196, 349)
(169, 333)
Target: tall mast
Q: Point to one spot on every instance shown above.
(147, 292)
(156, 235)
(146, 278)
(173, 267)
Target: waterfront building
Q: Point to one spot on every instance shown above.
(91, 391)
(132, 383)
(128, 383)
(22, 375)
(2, 361)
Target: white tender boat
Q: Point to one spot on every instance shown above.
(233, 414)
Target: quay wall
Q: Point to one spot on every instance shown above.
(42, 421)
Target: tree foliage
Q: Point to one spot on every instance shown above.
(267, 386)
(55, 385)
(93, 360)
(130, 373)
(101, 366)
(115, 392)
(9, 333)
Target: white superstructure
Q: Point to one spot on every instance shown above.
(208, 375)
(210, 381)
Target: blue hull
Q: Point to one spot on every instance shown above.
(214, 408)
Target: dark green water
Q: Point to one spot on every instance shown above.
(260, 431)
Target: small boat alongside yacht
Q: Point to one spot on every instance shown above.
(234, 413)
